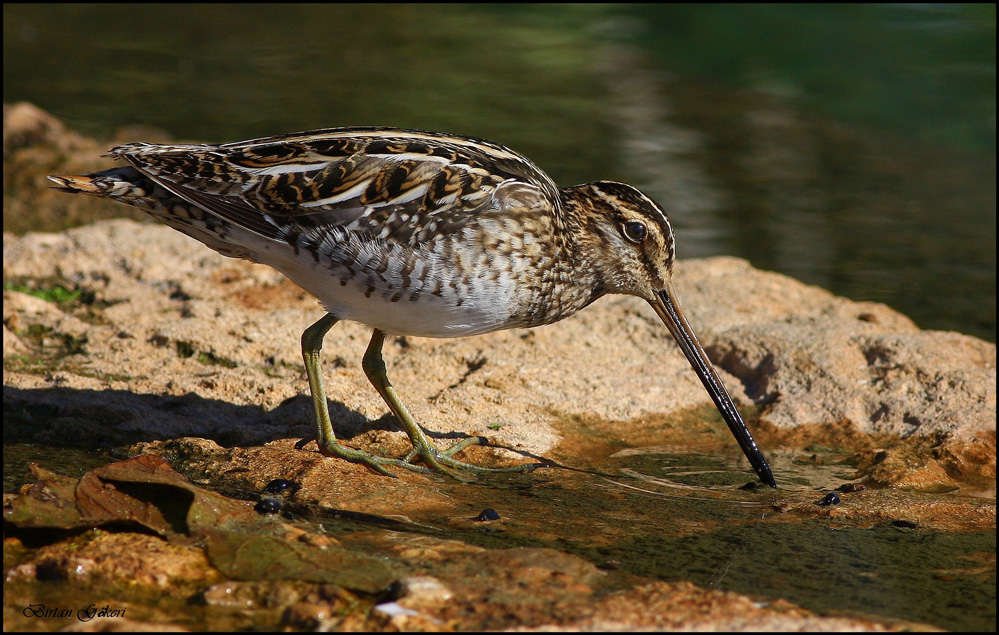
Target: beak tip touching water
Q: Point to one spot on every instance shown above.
(767, 476)
(668, 309)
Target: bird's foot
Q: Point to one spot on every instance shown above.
(432, 459)
(377, 463)
(442, 459)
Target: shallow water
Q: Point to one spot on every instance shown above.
(850, 147)
(828, 565)
(673, 514)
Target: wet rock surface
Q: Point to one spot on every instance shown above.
(130, 336)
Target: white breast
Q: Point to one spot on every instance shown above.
(435, 303)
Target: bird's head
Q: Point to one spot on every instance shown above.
(630, 244)
(630, 236)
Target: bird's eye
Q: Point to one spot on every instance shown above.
(635, 231)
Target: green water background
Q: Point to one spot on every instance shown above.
(849, 146)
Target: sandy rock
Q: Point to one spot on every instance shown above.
(12, 345)
(179, 341)
(26, 125)
(36, 144)
(811, 357)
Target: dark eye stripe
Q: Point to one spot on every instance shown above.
(635, 231)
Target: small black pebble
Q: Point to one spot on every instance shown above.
(832, 498)
(268, 506)
(905, 524)
(487, 514)
(278, 486)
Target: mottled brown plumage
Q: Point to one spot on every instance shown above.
(413, 233)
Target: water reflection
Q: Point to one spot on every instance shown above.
(822, 171)
(844, 563)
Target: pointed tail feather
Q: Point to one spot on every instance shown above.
(129, 186)
(75, 184)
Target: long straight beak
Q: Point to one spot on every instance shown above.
(668, 308)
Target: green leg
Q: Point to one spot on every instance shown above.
(437, 460)
(374, 368)
(312, 344)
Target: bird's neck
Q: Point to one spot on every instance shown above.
(582, 245)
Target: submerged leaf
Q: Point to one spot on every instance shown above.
(244, 555)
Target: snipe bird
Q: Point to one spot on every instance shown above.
(414, 233)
